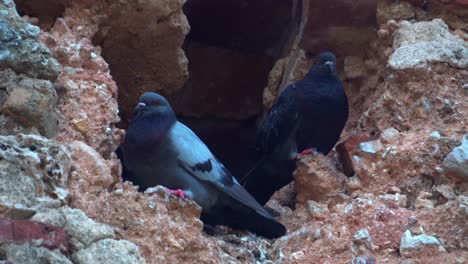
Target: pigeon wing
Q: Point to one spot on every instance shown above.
(196, 159)
(280, 123)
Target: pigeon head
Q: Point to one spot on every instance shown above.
(150, 104)
(325, 63)
(152, 118)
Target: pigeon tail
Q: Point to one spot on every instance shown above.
(251, 220)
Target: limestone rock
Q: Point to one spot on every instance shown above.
(34, 170)
(362, 242)
(91, 173)
(316, 178)
(27, 105)
(456, 162)
(109, 251)
(20, 49)
(82, 230)
(417, 44)
(390, 135)
(30, 254)
(410, 245)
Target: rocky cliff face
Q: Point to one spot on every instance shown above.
(395, 190)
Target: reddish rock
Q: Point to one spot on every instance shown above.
(316, 178)
(162, 227)
(22, 231)
(399, 182)
(447, 222)
(87, 103)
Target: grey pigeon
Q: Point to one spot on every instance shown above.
(308, 115)
(159, 150)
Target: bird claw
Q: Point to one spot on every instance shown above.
(179, 193)
(306, 152)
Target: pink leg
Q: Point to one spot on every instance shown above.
(306, 152)
(179, 193)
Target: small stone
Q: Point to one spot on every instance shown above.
(118, 192)
(393, 189)
(362, 242)
(297, 255)
(371, 147)
(364, 260)
(455, 164)
(317, 210)
(390, 135)
(435, 135)
(446, 191)
(423, 201)
(418, 245)
(354, 183)
(399, 199)
(362, 235)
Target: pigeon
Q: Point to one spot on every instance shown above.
(308, 116)
(159, 150)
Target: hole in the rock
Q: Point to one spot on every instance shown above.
(231, 50)
(46, 11)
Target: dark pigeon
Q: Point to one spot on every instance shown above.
(159, 150)
(308, 115)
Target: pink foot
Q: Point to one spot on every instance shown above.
(306, 152)
(179, 193)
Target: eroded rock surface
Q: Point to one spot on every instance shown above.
(403, 199)
(417, 44)
(34, 173)
(20, 48)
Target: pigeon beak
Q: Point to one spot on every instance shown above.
(331, 65)
(139, 106)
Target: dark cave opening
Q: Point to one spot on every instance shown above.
(231, 48)
(46, 11)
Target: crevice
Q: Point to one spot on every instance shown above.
(46, 11)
